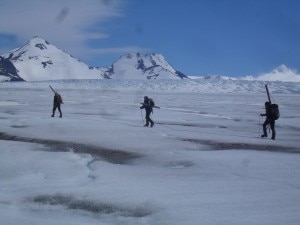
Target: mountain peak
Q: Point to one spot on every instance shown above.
(142, 66)
(39, 60)
(281, 73)
(282, 69)
(38, 42)
(37, 38)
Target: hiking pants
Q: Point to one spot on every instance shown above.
(148, 119)
(272, 125)
(58, 107)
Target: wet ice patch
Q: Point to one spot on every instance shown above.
(70, 202)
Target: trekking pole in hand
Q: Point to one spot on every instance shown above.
(259, 122)
(142, 116)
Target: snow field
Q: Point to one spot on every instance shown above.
(202, 163)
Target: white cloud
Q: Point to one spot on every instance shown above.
(64, 23)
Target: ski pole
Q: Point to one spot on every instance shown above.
(142, 116)
(259, 122)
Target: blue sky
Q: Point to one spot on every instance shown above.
(197, 37)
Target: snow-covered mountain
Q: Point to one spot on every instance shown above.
(138, 66)
(219, 84)
(281, 73)
(39, 60)
(8, 72)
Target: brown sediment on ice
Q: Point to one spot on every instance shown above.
(93, 206)
(215, 145)
(109, 155)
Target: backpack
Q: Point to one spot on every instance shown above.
(59, 99)
(151, 102)
(274, 111)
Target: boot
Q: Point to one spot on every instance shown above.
(146, 125)
(264, 135)
(273, 134)
(152, 124)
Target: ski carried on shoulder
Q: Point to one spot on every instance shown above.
(52, 89)
(56, 93)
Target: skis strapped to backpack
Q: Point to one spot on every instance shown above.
(274, 109)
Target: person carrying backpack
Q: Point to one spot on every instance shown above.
(269, 120)
(148, 105)
(57, 101)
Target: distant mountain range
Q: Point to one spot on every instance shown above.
(281, 73)
(39, 60)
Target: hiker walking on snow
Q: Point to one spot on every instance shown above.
(269, 120)
(148, 105)
(57, 101)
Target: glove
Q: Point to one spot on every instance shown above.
(141, 107)
(261, 114)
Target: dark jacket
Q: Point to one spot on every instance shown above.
(57, 100)
(268, 113)
(147, 106)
